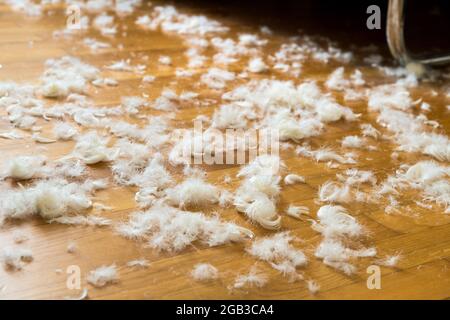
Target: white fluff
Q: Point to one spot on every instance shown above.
(293, 179)
(165, 60)
(289, 128)
(353, 142)
(258, 194)
(357, 177)
(313, 286)
(426, 172)
(369, 131)
(254, 278)
(325, 154)
(333, 192)
(24, 167)
(389, 96)
(204, 272)
(257, 65)
(66, 75)
(64, 131)
(14, 258)
(216, 78)
(262, 165)
(12, 135)
(389, 261)
(19, 237)
(261, 210)
(337, 81)
(103, 276)
(334, 221)
(133, 104)
(193, 192)
(41, 139)
(91, 148)
(296, 211)
(148, 79)
(279, 253)
(71, 247)
(83, 220)
(430, 177)
(170, 229)
(336, 225)
(141, 263)
(229, 116)
(50, 199)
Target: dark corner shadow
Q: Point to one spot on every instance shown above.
(427, 22)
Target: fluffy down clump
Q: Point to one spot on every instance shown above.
(394, 104)
(313, 286)
(428, 177)
(353, 142)
(338, 229)
(91, 148)
(15, 258)
(272, 95)
(291, 128)
(258, 194)
(138, 263)
(66, 75)
(193, 192)
(217, 78)
(257, 65)
(229, 116)
(64, 131)
(335, 221)
(389, 96)
(264, 164)
(297, 211)
(152, 181)
(24, 167)
(170, 229)
(334, 192)
(278, 251)
(204, 272)
(131, 160)
(103, 276)
(357, 177)
(323, 155)
(49, 198)
(293, 179)
(254, 278)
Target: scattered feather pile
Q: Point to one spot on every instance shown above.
(169, 229)
(254, 278)
(279, 253)
(193, 192)
(258, 194)
(15, 258)
(50, 199)
(338, 228)
(66, 75)
(103, 276)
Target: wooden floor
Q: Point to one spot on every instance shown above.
(421, 236)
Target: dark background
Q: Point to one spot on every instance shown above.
(427, 23)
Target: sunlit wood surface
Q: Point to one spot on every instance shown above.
(421, 236)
